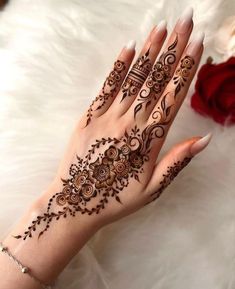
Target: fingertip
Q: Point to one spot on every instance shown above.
(200, 144)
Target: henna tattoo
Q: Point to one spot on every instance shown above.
(181, 76)
(158, 78)
(137, 76)
(109, 88)
(107, 169)
(102, 174)
(170, 175)
(182, 73)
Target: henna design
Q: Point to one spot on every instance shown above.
(109, 88)
(182, 73)
(101, 174)
(172, 172)
(137, 76)
(158, 78)
(180, 78)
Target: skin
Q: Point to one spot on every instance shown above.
(48, 255)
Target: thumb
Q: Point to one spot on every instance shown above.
(173, 162)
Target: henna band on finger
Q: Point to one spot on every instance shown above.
(137, 76)
(105, 172)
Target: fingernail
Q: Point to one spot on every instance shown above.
(159, 31)
(185, 21)
(131, 45)
(161, 25)
(200, 144)
(196, 44)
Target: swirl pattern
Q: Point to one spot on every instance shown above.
(137, 75)
(109, 88)
(157, 79)
(111, 163)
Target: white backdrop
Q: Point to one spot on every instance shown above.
(54, 55)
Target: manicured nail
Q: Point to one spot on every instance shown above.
(161, 25)
(131, 45)
(196, 44)
(200, 144)
(185, 21)
(159, 32)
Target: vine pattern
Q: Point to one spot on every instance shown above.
(109, 165)
(109, 89)
(101, 174)
(171, 174)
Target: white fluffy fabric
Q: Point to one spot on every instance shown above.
(54, 56)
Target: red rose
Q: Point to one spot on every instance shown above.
(215, 91)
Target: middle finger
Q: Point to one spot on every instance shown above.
(163, 69)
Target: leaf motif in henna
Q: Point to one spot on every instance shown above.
(137, 108)
(182, 73)
(109, 89)
(101, 175)
(104, 173)
(158, 78)
(172, 172)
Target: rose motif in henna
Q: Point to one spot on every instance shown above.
(172, 173)
(182, 73)
(158, 78)
(102, 177)
(108, 167)
(109, 88)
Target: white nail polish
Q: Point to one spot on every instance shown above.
(161, 25)
(131, 45)
(185, 21)
(196, 44)
(187, 13)
(200, 144)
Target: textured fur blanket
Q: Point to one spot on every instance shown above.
(54, 56)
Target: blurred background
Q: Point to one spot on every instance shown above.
(54, 55)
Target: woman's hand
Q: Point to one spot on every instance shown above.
(109, 169)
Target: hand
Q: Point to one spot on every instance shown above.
(109, 169)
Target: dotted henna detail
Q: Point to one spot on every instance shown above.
(158, 78)
(183, 73)
(107, 169)
(102, 174)
(137, 76)
(181, 77)
(170, 175)
(109, 89)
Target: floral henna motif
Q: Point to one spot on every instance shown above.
(137, 75)
(182, 73)
(102, 174)
(158, 78)
(108, 167)
(109, 88)
(172, 172)
(181, 76)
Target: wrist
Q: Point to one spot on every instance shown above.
(48, 255)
